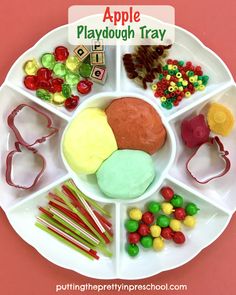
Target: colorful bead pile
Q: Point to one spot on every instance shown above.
(178, 80)
(57, 77)
(152, 230)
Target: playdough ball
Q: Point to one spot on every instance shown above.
(220, 119)
(146, 242)
(158, 244)
(135, 214)
(154, 207)
(189, 221)
(167, 208)
(131, 225)
(132, 250)
(167, 193)
(155, 231)
(133, 238)
(163, 221)
(191, 209)
(177, 201)
(179, 237)
(126, 174)
(88, 141)
(136, 125)
(175, 225)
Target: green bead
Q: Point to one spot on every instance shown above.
(43, 94)
(59, 69)
(66, 90)
(72, 79)
(48, 60)
(200, 78)
(166, 91)
(169, 106)
(85, 70)
(165, 67)
(191, 209)
(205, 79)
(179, 84)
(131, 225)
(146, 241)
(161, 76)
(132, 250)
(177, 201)
(154, 207)
(163, 221)
(171, 72)
(190, 73)
(195, 84)
(181, 63)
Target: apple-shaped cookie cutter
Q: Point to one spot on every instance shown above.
(20, 139)
(9, 166)
(223, 154)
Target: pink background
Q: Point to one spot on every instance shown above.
(23, 270)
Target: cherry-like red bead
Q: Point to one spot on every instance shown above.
(179, 237)
(180, 213)
(56, 85)
(71, 102)
(84, 86)
(167, 193)
(167, 233)
(143, 229)
(133, 238)
(31, 82)
(44, 74)
(148, 218)
(61, 53)
(44, 84)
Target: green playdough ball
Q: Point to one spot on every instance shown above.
(72, 79)
(126, 174)
(131, 225)
(133, 250)
(59, 69)
(66, 90)
(163, 221)
(154, 207)
(177, 201)
(146, 241)
(44, 94)
(85, 70)
(191, 209)
(48, 60)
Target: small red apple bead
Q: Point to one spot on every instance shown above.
(61, 53)
(167, 233)
(167, 193)
(148, 218)
(143, 230)
(31, 82)
(84, 86)
(44, 74)
(180, 213)
(71, 102)
(179, 237)
(133, 238)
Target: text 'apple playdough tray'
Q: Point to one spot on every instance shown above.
(110, 159)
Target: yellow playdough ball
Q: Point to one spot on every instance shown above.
(31, 67)
(220, 119)
(175, 225)
(189, 221)
(158, 244)
(155, 231)
(167, 208)
(135, 214)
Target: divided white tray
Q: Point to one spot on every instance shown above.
(216, 199)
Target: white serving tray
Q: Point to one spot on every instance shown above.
(216, 199)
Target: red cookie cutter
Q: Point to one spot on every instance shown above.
(222, 153)
(9, 160)
(11, 124)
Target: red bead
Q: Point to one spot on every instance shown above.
(165, 73)
(175, 62)
(180, 213)
(56, 85)
(44, 74)
(31, 82)
(43, 84)
(179, 98)
(169, 61)
(133, 238)
(188, 64)
(61, 53)
(179, 237)
(84, 86)
(167, 193)
(148, 218)
(71, 102)
(143, 229)
(167, 233)
(176, 103)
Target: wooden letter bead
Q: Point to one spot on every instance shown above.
(81, 52)
(98, 74)
(97, 58)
